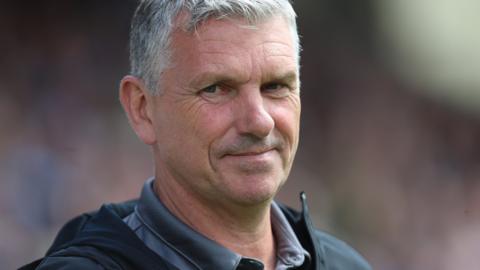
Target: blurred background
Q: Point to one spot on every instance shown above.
(390, 139)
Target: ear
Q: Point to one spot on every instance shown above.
(135, 101)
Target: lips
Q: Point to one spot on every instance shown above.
(255, 152)
(250, 146)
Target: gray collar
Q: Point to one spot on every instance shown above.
(290, 252)
(203, 252)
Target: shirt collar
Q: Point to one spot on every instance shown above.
(290, 252)
(204, 252)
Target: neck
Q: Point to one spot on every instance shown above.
(245, 230)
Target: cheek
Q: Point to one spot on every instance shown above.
(211, 123)
(287, 122)
(287, 119)
(176, 130)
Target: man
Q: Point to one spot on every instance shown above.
(214, 91)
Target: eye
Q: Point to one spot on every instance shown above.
(276, 89)
(272, 86)
(212, 89)
(216, 93)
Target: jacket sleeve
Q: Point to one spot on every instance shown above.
(339, 255)
(68, 263)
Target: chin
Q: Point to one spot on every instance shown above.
(254, 191)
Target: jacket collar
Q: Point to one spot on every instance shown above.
(305, 223)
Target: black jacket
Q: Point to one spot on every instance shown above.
(101, 240)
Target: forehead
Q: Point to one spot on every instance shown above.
(231, 23)
(235, 41)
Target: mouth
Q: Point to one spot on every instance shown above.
(253, 161)
(253, 152)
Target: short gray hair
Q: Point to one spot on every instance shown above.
(153, 22)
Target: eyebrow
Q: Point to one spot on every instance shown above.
(211, 77)
(204, 78)
(289, 77)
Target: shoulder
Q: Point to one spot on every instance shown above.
(84, 242)
(73, 258)
(340, 255)
(68, 263)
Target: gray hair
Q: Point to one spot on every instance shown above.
(153, 22)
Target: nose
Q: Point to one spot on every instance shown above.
(253, 117)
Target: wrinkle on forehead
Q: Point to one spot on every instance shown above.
(276, 48)
(234, 52)
(241, 27)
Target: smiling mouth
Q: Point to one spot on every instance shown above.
(252, 162)
(251, 153)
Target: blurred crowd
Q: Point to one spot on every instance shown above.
(390, 169)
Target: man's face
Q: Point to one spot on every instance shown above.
(227, 119)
